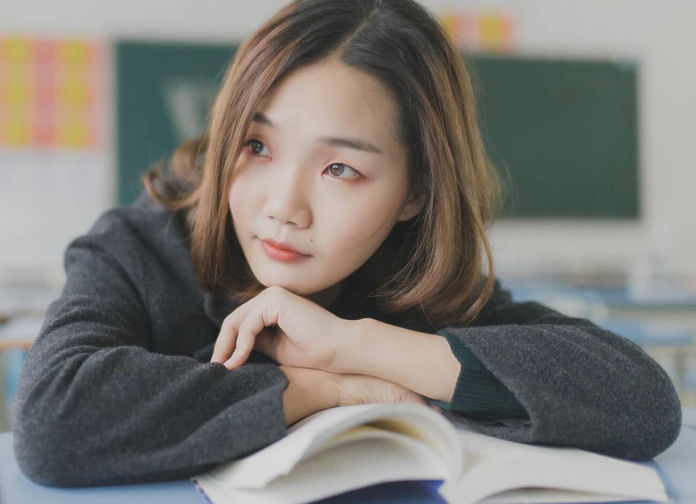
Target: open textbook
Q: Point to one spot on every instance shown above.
(349, 447)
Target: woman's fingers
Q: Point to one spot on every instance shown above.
(250, 327)
(226, 341)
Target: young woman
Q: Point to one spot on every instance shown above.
(324, 244)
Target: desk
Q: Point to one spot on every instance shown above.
(677, 466)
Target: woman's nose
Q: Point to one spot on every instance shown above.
(286, 199)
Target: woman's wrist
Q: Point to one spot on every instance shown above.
(309, 391)
(421, 362)
(350, 351)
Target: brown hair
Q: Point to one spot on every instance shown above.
(431, 265)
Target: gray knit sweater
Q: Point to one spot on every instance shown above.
(118, 387)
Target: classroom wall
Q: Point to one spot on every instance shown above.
(42, 206)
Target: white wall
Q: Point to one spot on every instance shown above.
(658, 34)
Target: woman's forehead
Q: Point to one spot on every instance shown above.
(333, 98)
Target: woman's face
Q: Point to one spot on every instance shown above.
(323, 172)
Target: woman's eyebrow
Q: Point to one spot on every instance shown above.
(349, 142)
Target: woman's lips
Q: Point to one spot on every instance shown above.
(281, 254)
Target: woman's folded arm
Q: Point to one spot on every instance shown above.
(96, 406)
(579, 385)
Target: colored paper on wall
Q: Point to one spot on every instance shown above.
(52, 93)
(480, 31)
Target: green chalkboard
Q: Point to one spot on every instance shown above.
(163, 96)
(565, 130)
(566, 133)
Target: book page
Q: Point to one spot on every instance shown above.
(546, 474)
(327, 429)
(378, 456)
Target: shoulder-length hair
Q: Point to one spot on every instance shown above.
(431, 265)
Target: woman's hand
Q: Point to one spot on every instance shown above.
(311, 390)
(363, 389)
(290, 329)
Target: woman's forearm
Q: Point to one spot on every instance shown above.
(418, 361)
(310, 390)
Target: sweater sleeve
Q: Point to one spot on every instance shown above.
(478, 394)
(96, 406)
(580, 385)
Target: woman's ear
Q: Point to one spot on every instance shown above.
(412, 206)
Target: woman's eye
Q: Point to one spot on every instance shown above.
(257, 148)
(338, 169)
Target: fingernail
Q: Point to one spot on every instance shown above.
(230, 361)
